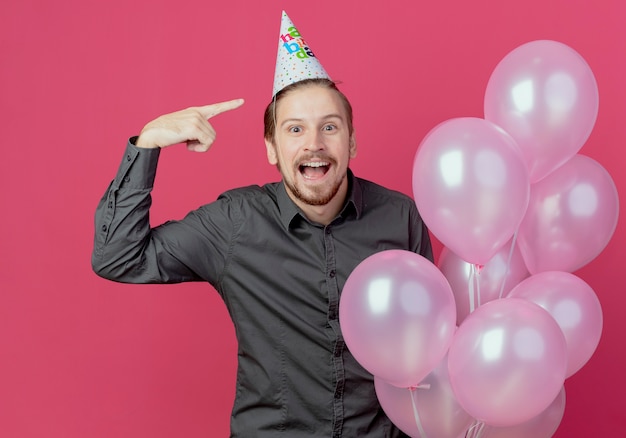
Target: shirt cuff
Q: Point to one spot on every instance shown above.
(138, 167)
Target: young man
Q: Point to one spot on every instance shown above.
(278, 255)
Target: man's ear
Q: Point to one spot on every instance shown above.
(352, 146)
(271, 152)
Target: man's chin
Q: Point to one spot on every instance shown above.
(316, 196)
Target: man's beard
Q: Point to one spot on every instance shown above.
(319, 195)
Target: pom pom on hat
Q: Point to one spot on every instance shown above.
(295, 60)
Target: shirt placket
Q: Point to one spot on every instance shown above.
(333, 321)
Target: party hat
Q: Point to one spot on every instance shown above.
(295, 60)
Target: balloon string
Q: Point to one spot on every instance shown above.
(471, 289)
(420, 428)
(508, 264)
(474, 287)
(477, 269)
(475, 430)
(481, 429)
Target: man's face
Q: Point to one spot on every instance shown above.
(312, 147)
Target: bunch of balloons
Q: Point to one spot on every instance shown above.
(480, 344)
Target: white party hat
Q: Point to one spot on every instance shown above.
(295, 60)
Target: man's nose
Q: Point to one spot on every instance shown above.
(315, 142)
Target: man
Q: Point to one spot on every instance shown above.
(278, 255)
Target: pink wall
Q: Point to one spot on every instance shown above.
(82, 357)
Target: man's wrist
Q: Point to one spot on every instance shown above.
(142, 142)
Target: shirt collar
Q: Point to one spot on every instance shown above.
(289, 210)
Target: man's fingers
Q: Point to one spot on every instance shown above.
(209, 111)
(188, 125)
(196, 146)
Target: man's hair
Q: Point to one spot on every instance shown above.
(270, 111)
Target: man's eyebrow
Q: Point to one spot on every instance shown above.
(332, 116)
(284, 122)
(300, 120)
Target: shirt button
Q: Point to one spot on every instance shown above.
(337, 394)
(104, 227)
(110, 204)
(332, 274)
(328, 231)
(128, 157)
(127, 178)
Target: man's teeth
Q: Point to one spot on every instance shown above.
(316, 164)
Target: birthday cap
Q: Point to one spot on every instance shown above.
(295, 60)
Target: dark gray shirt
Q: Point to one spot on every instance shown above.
(280, 276)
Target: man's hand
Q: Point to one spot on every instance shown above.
(189, 126)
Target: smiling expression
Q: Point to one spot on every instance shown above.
(312, 148)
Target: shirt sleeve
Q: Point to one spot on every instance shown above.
(126, 248)
(420, 238)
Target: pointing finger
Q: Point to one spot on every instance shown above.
(209, 111)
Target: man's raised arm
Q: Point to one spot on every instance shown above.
(124, 249)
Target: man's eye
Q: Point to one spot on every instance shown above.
(329, 127)
(295, 129)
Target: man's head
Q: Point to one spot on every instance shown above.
(310, 137)
(270, 111)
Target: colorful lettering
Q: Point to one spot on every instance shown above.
(295, 44)
(293, 32)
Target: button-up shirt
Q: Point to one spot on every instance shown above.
(280, 276)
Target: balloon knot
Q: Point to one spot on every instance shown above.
(420, 386)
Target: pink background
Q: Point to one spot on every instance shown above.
(83, 357)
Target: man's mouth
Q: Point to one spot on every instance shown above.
(314, 169)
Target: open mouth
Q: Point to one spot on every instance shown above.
(314, 169)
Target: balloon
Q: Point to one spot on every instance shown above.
(439, 414)
(507, 361)
(504, 267)
(397, 316)
(543, 425)
(571, 217)
(471, 186)
(545, 96)
(575, 307)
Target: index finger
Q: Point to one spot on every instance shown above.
(212, 110)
